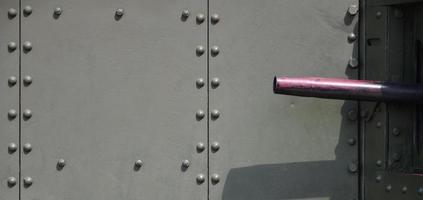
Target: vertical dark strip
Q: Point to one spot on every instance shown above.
(208, 99)
(360, 72)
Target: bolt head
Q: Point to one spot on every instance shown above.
(185, 163)
(352, 37)
(12, 46)
(58, 11)
(353, 63)
(352, 115)
(199, 50)
(61, 163)
(214, 51)
(27, 80)
(215, 146)
(215, 114)
(12, 113)
(12, 12)
(27, 148)
(27, 10)
(27, 114)
(215, 178)
(119, 12)
(379, 163)
(12, 80)
(27, 46)
(200, 114)
(388, 188)
(404, 189)
(420, 191)
(27, 181)
(352, 141)
(352, 168)
(200, 147)
(11, 181)
(185, 14)
(200, 178)
(378, 124)
(214, 18)
(138, 164)
(200, 83)
(215, 83)
(353, 10)
(396, 132)
(200, 18)
(13, 147)
(378, 179)
(378, 14)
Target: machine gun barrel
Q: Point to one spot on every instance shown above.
(361, 90)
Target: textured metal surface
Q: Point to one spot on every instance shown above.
(9, 103)
(274, 147)
(112, 101)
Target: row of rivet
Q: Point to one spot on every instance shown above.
(352, 37)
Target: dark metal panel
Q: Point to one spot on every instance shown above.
(391, 2)
(113, 82)
(9, 101)
(266, 146)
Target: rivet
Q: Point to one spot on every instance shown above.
(58, 11)
(396, 157)
(215, 82)
(185, 164)
(378, 124)
(215, 114)
(60, 164)
(396, 132)
(353, 63)
(200, 147)
(214, 51)
(199, 50)
(185, 15)
(12, 13)
(12, 147)
(12, 80)
(119, 12)
(200, 18)
(215, 178)
(379, 163)
(27, 10)
(398, 13)
(200, 115)
(27, 80)
(420, 191)
(12, 46)
(378, 179)
(352, 37)
(215, 146)
(353, 10)
(388, 188)
(11, 181)
(12, 114)
(352, 115)
(378, 15)
(27, 181)
(352, 141)
(27, 148)
(138, 164)
(27, 114)
(352, 168)
(200, 178)
(199, 83)
(27, 46)
(404, 189)
(214, 18)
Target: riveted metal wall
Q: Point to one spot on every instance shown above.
(113, 99)
(265, 146)
(9, 106)
(390, 131)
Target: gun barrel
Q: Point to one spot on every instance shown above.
(361, 90)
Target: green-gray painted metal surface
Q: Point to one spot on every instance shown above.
(107, 91)
(280, 147)
(9, 90)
